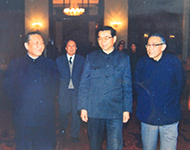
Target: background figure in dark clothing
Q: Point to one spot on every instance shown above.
(134, 57)
(31, 82)
(70, 67)
(52, 51)
(121, 47)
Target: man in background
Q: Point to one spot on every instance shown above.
(70, 67)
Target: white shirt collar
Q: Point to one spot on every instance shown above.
(73, 57)
(32, 57)
(107, 52)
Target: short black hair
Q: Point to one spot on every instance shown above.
(160, 36)
(113, 31)
(70, 40)
(27, 37)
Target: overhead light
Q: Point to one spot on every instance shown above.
(74, 10)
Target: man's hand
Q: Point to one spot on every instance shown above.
(126, 116)
(84, 115)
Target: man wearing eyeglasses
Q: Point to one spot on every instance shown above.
(159, 79)
(105, 92)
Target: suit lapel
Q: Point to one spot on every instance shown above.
(65, 64)
(76, 62)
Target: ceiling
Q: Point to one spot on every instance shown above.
(77, 1)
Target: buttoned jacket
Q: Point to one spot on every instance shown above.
(32, 86)
(64, 74)
(159, 85)
(105, 88)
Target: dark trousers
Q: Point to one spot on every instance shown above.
(35, 138)
(96, 132)
(70, 107)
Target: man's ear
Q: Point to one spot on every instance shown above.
(115, 38)
(26, 45)
(164, 47)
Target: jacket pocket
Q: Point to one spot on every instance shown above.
(118, 72)
(95, 72)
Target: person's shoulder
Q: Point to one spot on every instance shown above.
(18, 59)
(94, 53)
(79, 59)
(144, 58)
(172, 58)
(18, 62)
(121, 53)
(79, 56)
(47, 60)
(60, 57)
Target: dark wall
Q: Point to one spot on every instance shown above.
(162, 16)
(11, 35)
(11, 30)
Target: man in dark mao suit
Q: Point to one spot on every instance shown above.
(31, 82)
(70, 67)
(105, 93)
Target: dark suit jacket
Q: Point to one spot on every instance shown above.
(105, 90)
(64, 74)
(32, 86)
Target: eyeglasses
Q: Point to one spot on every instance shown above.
(106, 38)
(153, 45)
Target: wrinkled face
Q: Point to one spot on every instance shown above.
(155, 47)
(133, 48)
(106, 41)
(71, 48)
(35, 45)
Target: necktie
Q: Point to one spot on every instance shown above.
(70, 60)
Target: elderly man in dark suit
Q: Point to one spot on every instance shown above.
(31, 82)
(70, 67)
(105, 92)
(159, 81)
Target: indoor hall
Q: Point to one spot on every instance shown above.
(134, 21)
